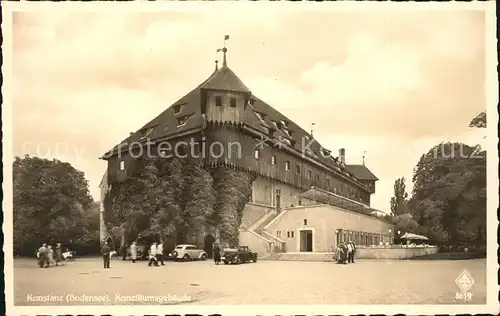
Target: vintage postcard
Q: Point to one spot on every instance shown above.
(226, 158)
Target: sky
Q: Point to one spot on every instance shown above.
(392, 84)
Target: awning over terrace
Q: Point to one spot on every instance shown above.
(411, 236)
(330, 198)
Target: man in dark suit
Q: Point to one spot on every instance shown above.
(351, 252)
(106, 250)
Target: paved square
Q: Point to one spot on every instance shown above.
(264, 282)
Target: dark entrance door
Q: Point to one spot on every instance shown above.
(306, 244)
(209, 241)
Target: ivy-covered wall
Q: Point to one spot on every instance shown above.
(177, 199)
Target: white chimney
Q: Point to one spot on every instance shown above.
(342, 156)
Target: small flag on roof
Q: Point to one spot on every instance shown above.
(219, 50)
(226, 37)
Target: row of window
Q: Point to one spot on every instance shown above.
(289, 234)
(363, 238)
(341, 188)
(218, 101)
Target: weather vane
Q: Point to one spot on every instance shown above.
(224, 50)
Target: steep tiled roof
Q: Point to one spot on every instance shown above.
(301, 140)
(259, 116)
(225, 79)
(361, 172)
(165, 124)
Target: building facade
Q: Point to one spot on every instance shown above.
(251, 136)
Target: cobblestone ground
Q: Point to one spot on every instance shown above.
(264, 282)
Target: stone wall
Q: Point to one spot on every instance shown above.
(394, 253)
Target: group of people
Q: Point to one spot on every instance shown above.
(49, 257)
(156, 256)
(345, 252)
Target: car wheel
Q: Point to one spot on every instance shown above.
(236, 260)
(226, 262)
(204, 256)
(186, 257)
(254, 259)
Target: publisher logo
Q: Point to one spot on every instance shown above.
(464, 282)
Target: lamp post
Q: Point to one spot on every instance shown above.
(390, 236)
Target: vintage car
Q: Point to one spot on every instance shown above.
(188, 252)
(238, 255)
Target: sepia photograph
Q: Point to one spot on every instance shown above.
(197, 155)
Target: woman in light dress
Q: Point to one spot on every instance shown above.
(133, 252)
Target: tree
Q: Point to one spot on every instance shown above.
(233, 189)
(134, 201)
(51, 204)
(162, 198)
(404, 223)
(400, 199)
(449, 194)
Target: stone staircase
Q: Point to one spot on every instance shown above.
(263, 222)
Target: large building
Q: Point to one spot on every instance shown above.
(293, 172)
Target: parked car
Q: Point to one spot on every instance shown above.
(188, 252)
(238, 255)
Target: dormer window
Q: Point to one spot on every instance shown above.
(232, 102)
(218, 100)
(317, 178)
(287, 165)
(146, 132)
(284, 124)
(275, 124)
(177, 109)
(256, 154)
(259, 115)
(181, 121)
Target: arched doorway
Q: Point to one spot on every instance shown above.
(209, 241)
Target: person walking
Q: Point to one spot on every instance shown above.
(106, 250)
(216, 252)
(58, 254)
(133, 251)
(159, 253)
(124, 252)
(152, 255)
